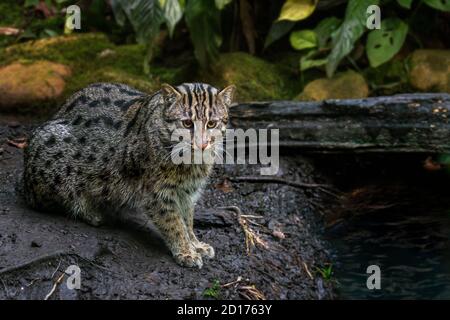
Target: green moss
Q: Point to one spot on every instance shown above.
(255, 78)
(91, 58)
(213, 291)
(73, 50)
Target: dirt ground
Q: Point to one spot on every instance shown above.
(130, 261)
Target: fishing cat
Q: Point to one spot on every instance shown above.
(108, 148)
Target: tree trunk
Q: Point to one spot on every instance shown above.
(399, 123)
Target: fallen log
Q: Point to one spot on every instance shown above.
(406, 123)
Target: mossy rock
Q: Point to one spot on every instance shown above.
(24, 84)
(254, 78)
(430, 70)
(92, 58)
(345, 85)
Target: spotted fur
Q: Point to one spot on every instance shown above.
(108, 149)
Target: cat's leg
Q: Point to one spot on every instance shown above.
(83, 210)
(203, 248)
(175, 233)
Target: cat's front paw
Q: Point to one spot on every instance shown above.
(204, 249)
(189, 259)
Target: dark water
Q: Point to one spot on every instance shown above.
(410, 245)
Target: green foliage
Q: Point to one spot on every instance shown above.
(291, 12)
(203, 21)
(328, 44)
(405, 3)
(323, 32)
(384, 43)
(338, 37)
(213, 291)
(343, 36)
(303, 39)
(146, 17)
(326, 272)
(349, 32)
(220, 4)
(172, 13)
(296, 10)
(325, 29)
(311, 61)
(278, 30)
(443, 5)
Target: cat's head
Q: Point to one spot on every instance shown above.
(200, 109)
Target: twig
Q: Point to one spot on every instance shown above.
(307, 271)
(32, 282)
(56, 270)
(239, 279)
(33, 261)
(58, 281)
(262, 179)
(5, 287)
(251, 293)
(251, 216)
(251, 238)
(51, 256)
(300, 185)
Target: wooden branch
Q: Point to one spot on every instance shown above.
(270, 179)
(399, 123)
(300, 185)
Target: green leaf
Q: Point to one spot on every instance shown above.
(220, 4)
(325, 29)
(172, 14)
(353, 27)
(384, 43)
(307, 63)
(405, 3)
(277, 30)
(49, 33)
(296, 10)
(443, 5)
(145, 16)
(203, 20)
(303, 39)
(31, 3)
(119, 13)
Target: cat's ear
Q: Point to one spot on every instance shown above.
(170, 92)
(227, 95)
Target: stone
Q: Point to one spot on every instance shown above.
(255, 78)
(430, 70)
(345, 85)
(25, 84)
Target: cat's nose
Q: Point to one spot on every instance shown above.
(204, 146)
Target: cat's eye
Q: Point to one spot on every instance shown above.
(187, 123)
(211, 124)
